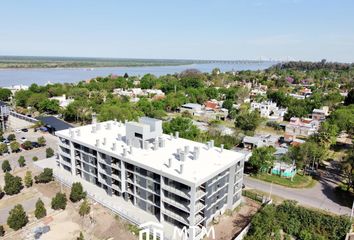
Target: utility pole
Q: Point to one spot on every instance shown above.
(270, 192)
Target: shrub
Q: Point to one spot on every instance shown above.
(17, 218)
(40, 211)
(28, 179)
(77, 192)
(2, 231)
(13, 184)
(35, 158)
(22, 161)
(45, 176)
(84, 208)
(11, 137)
(41, 141)
(6, 167)
(59, 201)
(49, 152)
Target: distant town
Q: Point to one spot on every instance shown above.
(234, 150)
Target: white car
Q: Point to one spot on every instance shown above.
(23, 139)
(18, 131)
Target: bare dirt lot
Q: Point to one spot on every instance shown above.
(64, 225)
(231, 224)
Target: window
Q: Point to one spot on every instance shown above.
(138, 135)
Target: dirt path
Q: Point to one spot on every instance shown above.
(231, 224)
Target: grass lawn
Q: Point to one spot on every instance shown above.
(299, 181)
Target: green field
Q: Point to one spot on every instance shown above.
(299, 181)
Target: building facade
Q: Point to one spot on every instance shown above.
(180, 182)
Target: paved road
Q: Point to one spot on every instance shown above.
(320, 196)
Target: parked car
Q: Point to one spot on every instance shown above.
(24, 130)
(26, 147)
(35, 145)
(18, 130)
(23, 139)
(6, 141)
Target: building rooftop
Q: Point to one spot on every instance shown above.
(154, 157)
(54, 123)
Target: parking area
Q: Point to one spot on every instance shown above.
(31, 135)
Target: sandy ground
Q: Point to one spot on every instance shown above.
(231, 224)
(67, 224)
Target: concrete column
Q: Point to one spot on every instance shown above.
(72, 156)
(230, 190)
(193, 196)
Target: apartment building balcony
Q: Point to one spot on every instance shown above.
(200, 193)
(181, 206)
(199, 206)
(115, 165)
(117, 188)
(115, 176)
(65, 153)
(63, 144)
(176, 216)
(198, 219)
(182, 193)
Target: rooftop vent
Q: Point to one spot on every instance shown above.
(146, 145)
(161, 142)
(182, 156)
(114, 146)
(104, 141)
(211, 143)
(119, 136)
(221, 147)
(72, 134)
(93, 130)
(181, 168)
(156, 144)
(196, 153)
(131, 149)
(186, 149)
(169, 163)
(177, 135)
(124, 152)
(171, 136)
(108, 126)
(98, 126)
(97, 143)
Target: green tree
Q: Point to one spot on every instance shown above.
(348, 169)
(45, 176)
(262, 159)
(15, 146)
(228, 104)
(49, 152)
(17, 218)
(5, 94)
(13, 184)
(350, 97)
(40, 211)
(84, 208)
(11, 137)
(41, 141)
(77, 192)
(247, 121)
(50, 106)
(80, 237)
(311, 153)
(27, 145)
(184, 126)
(59, 201)
(21, 161)
(28, 179)
(3, 148)
(6, 167)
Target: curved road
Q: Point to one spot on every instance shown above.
(320, 196)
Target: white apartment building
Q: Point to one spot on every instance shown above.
(180, 182)
(269, 109)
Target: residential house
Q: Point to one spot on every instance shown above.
(303, 127)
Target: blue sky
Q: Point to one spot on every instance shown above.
(194, 29)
